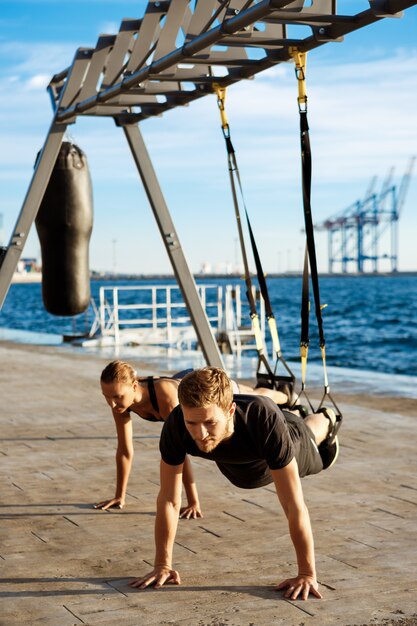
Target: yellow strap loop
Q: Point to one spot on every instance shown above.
(326, 380)
(304, 355)
(257, 332)
(300, 60)
(274, 335)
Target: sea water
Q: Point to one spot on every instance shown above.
(370, 326)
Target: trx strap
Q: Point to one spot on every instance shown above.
(279, 380)
(305, 327)
(300, 59)
(270, 378)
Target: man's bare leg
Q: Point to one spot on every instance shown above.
(277, 396)
(320, 425)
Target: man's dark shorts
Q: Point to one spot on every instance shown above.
(306, 451)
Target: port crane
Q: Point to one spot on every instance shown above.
(355, 234)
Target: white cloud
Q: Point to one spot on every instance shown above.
(39, 81)
(35, 58)
(109, 28)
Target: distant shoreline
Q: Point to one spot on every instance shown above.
(98, 276)
(27, 277)
(36, 277)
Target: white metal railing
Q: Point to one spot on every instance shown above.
(240, 335)
(157, 315)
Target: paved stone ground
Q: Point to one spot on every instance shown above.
(64, 563)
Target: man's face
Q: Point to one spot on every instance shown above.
(210, 426)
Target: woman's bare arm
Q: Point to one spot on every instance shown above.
(167, 396)
(124, 458)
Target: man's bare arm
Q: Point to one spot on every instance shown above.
(290, 494)
(167, 514)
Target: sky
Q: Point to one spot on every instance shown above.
(362, 114)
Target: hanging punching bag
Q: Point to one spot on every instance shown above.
(64, 223)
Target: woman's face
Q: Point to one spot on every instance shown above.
(119, 396)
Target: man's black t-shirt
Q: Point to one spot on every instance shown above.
(262, 440)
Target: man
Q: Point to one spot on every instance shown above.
(253, 443)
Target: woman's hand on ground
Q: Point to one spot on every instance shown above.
(114, 503)
(300, 586)
(191, 511)
(157, 578)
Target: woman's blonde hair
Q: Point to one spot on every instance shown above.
(118, 372)
(204, 387)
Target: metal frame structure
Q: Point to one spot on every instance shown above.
(171, 56)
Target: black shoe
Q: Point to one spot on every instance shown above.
(303, 410)
(329, 448)
(287, 388)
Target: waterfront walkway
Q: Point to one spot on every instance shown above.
(64, 563)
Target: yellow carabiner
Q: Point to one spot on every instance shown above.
(221, 102)
(300, 60)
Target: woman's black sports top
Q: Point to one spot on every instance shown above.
(150, 381)
(154, 401)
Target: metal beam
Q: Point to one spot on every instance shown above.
(173, 247)
(178, 41)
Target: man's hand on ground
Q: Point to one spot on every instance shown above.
(157, 578)
(300, 586)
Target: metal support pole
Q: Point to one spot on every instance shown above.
(394, 244)
(343, 234)
(359, 244)
(30, 206)
(395, 214)
(330, 249)
(173, 247)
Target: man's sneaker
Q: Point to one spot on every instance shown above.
(329, 448)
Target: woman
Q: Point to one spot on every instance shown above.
(152, 399)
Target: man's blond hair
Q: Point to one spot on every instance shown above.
(204, 387)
